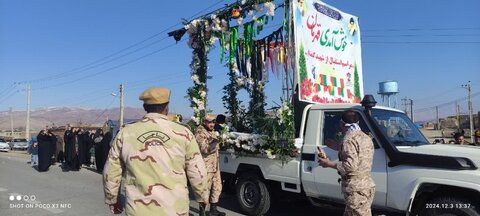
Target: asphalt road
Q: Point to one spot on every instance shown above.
(58, 192)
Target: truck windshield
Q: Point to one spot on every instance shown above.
(398, 128)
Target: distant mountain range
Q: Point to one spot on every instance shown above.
(60, 116)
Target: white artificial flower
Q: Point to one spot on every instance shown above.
(270, 6)
(243, 2)
(269, 154)
(250, 82)
(217, 134)
(203, 94)
(213, 39)
(279, 113)
(195, 119)
(201, 106)
(195, 78)
(240, 21)
(240, 82)
(254, 18)
(224, 136)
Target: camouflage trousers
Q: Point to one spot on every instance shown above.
(214, 186)
(359, 203)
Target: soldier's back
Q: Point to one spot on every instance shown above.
(154, 153)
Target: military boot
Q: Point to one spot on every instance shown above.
(214, 211)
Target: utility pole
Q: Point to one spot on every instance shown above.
(404, 103)
(11, 121)
(411, 109)
(27, 129)
(470, 113)
(458, 116)
(438, 121)
(120, 121)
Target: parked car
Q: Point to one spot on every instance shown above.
(21, 144)
(4, 146)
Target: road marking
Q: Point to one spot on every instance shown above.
(3, 189)
(37, 203)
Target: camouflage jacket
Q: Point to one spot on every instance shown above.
(209, 144)
(156, 156)
(356, 158)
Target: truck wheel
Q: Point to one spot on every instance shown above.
(450, 206)
(253, 195)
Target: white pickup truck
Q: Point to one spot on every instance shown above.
(411, 175)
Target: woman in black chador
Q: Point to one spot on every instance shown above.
(45, 142)
(98, 140)
(71, 150)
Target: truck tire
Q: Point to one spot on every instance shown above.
(253, 195)
(450, 206)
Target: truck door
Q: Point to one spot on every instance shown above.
(327, 180)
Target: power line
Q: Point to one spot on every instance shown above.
(8, 97)
(109, 69)
(6, 89)
(67, 73)
(446, 104)
(106, 108)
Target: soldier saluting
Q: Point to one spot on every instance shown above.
(354, 167)
(209, 144)
(156, 156)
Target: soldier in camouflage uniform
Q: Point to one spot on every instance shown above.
(209, 144)
(157, 157)
(354, 166)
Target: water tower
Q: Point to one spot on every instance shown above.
(388, 90)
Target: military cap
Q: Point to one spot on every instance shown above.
(210, 117)
(155, 95)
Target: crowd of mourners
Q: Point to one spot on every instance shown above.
(81, 147)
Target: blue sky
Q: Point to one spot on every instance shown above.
(430, 47)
